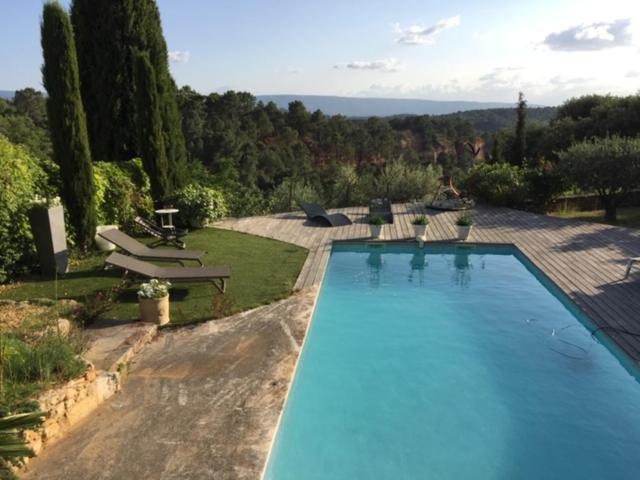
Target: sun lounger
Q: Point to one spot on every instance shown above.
(175, 274)
(143, 252)
(630, 263)
(316, 213)
(165, 235)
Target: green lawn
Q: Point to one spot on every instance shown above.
(627, 217)
(262, 270)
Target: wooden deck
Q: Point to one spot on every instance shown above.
(586, 260)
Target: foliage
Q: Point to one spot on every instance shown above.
(149, 125)
(20, 128)
(246, 201)
(399, 181)
(420, 220)
(67, 121)
(376, 220)
(154, 288)
(497, 184)
(109, 35)
(609, 166)
(520, 144)
(96, 306)
(199, 205)
(492, 120)
(21, 177)
(289, 193)
(465, 219)
(12, 443)
(122, 192)
(544, 184)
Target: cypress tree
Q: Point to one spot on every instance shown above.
(149, 128)
(67, 121)
(109, 33)
(520, 147)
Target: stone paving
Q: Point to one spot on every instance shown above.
(200, 403)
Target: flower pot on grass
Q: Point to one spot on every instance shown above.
(153, 298)
(464, 225)
(375, 225)
(101, 243)
(420, 225)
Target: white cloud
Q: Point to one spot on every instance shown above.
(589, 37)
(633, 74)
(179, 56)
(384, 65)
(419, 35)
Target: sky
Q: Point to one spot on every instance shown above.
(552, 50)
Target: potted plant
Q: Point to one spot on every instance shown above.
(420, 224)
(102, 244)
(153, 298)
(375, 224)
(464, 224)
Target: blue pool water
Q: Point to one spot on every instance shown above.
(452, 363)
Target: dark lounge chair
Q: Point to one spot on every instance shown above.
(143, 252)
(175, 274)
(164, 235)
(381, 207)
(316, 213)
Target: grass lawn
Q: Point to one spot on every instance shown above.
(627, 217)
(262, 270)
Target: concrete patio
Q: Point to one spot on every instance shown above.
(203, 402)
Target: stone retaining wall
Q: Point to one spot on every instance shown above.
(67, 404)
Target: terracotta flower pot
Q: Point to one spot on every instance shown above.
(154, 310)
(464, 231)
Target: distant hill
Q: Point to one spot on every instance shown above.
(493, 119)
(6, 94)
(379, 107)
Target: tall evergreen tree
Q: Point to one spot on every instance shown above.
(149, 126)
(108, 34)
(520, 146)
(67, 121)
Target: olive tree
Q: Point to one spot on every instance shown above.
(608, 166)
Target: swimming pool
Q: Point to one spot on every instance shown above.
(452, 362)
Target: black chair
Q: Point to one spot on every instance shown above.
(381, 207)
(164, 235)
(316, 213)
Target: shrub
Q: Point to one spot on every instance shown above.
(376, 220)
(30, 364)
(498, 184)
(464, 220)
(399, 181)
(543, 183)
(246, 201)
(420, 220)
(122, 192)
(286, 196)
(21, 178)
(608, 166)
(199, 205)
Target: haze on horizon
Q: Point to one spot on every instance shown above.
(457, 50)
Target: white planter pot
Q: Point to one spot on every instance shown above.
(376, 230)
(420, 231)
(101, 243)
(464, 231)
(154, 310)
